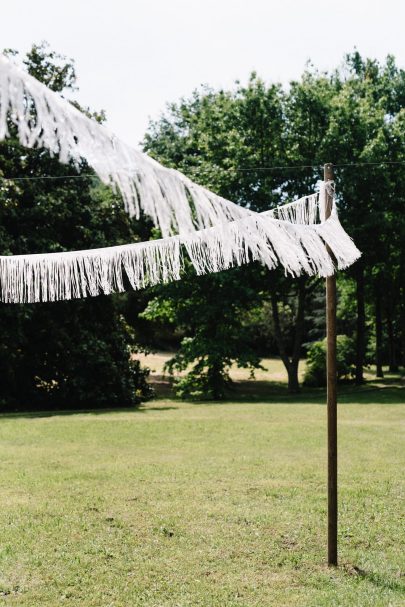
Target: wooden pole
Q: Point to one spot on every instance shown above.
(331, 395)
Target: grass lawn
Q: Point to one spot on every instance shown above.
(215, 505)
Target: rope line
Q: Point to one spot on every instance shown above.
(242, 169)
(320, 166)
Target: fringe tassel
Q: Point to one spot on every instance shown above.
(45, 119)
(299, 248)
(227, 235)
(302, 211)
(174, 203)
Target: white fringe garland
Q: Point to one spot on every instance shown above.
(45, 119)
(216, 233)
(299, 247)
(305, 210)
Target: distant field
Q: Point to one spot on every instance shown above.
(272, 380)
(274, 368)
(203, 505)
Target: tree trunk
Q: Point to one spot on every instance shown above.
(402, 310)
(291, 363)
(293, 383)
(403, 328)
(216, 380)
(361, 325)
(378, 332)
(392, 361)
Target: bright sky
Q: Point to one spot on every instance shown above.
(134, 56)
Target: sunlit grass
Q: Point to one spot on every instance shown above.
(214, 505)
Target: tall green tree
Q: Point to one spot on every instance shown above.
(234, 143)
(64, 354)
(368, 99)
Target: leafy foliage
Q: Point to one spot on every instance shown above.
(220, 139)
(315, 373)
(235, 141)
(65, 354)
(210, 311)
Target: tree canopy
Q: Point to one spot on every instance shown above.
(76, 353)
(257, 144)
(235, 141)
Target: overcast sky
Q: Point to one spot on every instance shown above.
(134, 56)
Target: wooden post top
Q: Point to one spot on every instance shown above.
(328, 171)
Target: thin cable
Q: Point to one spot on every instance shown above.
(320, 166)
(370, 163)
(242, 169)
(276, 168)
(40, 177)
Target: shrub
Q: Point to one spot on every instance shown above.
(315, 374)
(68, 355)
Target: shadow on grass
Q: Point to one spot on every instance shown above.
(263, 391)
(143, 408)
(390, 391)
(377, 579)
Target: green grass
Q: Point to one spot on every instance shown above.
(214, 505)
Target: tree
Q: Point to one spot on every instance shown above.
(306, 120)
(210, 310)
(234, 142)
(224, 140)
(65, 354)
(368, 98)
